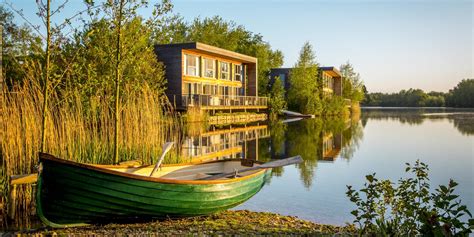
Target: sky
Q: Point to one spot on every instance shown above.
(393, 44)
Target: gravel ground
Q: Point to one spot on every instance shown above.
(235, 223)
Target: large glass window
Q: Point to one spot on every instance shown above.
(191, 65)
(283, 79)
(238, 72)
(225, 71)
(209, 68)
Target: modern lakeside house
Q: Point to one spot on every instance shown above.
(331, 78)
(210, 78)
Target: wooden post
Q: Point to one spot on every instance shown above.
(12, 202)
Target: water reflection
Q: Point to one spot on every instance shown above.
(345, 149)
(228, 142)
(462, 119)
(340, 152)
(316, 140)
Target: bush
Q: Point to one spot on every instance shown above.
(277, 101)
(334, 105)
(409, 209)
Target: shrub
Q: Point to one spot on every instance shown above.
(277, 101)
(334, 105)
(409, 209)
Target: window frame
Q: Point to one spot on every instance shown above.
(186, 66)
(221, 71)
(214, 69)
(238, 73)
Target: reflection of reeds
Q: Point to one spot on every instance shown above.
(19, 214)
(196, 114)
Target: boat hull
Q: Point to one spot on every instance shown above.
(72, 195)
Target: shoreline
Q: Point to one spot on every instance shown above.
(241, 222)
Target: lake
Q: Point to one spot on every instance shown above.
(381, 142)
(336, 152)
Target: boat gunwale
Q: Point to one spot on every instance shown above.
(105, 169)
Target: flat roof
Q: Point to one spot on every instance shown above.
(331, 71)
(205, 48)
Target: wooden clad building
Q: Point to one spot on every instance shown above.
(330, 76)
(210, 78)
(332, 80)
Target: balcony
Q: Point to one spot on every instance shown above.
(224, 102)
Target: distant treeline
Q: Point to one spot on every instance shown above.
(461, 96)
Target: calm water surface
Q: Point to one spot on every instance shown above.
(381, 141)
(336, 152)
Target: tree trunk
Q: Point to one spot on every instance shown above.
(117, 85)
(46, 77)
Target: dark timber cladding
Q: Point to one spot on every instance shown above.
(331, 79)
(283, 74)
(208, 77)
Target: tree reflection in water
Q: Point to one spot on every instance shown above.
(316, 140)
(462, 119)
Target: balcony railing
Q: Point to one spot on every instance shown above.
(223, 101)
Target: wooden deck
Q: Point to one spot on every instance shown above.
(239, 107)
(224, 102)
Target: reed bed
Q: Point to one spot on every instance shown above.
(79, 129)
(82, 130)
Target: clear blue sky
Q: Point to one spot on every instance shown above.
(393, 44)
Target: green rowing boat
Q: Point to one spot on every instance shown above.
(73, 194)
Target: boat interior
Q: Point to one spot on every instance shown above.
(191, 172)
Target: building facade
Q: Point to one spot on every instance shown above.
(229, 142)
(209, 78)
(331, 79)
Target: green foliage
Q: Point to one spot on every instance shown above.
(462, 95)
(93, 65)
(85, 63)
(304, 93)
(352, 85)
(277, 101)
(217, 32)
(19, 45)
(409, 209)
(334, 105)
(406, 98)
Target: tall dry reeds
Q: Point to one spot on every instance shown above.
(82, 130)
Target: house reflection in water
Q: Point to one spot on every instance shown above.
(231, 142)
(315, 139)
(333, 142)
(331, 146)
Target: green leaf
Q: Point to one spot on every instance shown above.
(471, 222)
(443, 188)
